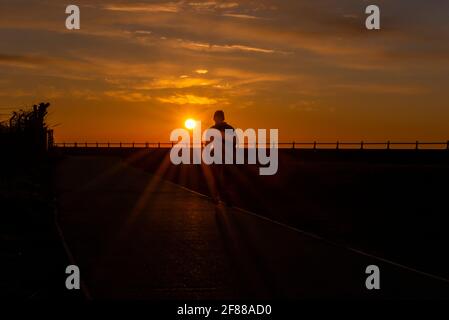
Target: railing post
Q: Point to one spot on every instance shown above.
(109, 145)
(417, 145)
(361, 145)
(120, 144)
(338, 145)
(96, 145)
(146, 145)
(388, 145)
(158, 145)
(172, 144)
(293, 145)
(85, 144)
(314, 145)
(133, 144)
(76, 144)
(447, 146)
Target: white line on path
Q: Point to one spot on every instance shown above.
(317, 237)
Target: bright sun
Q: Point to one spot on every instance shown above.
(190, 124)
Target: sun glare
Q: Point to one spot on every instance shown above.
(190, 124)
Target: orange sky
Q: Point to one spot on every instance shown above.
(137, 69)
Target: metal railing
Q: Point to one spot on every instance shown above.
(281, 145)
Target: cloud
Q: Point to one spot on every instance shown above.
(27, 61)
(143, 8)
(174, 83)
(202, 71)
(383, 88)
(241, 16)
(46, 66)
(228, 5)
(240, 76)
(198, 46)
(188, 99)
(212, 5)
(15, 93)
(128, 96)
(85, 94)
(146, 32)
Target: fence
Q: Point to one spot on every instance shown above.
(284, 145)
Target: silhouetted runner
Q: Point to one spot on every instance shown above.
(220, 171)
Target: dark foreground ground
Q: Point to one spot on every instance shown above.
(138, 236)
(33, 259)
(390, 203)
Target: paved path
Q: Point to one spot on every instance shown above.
(135, 236)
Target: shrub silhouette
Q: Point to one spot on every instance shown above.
(26, 130)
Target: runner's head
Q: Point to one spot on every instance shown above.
(219, 117)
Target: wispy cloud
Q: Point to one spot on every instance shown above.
(188, 99)
(397, 89)
(128, 96)
(241, 16)
(144, 8)
(27, 61)
(212, 5)
(182, 82)
(222, 48)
